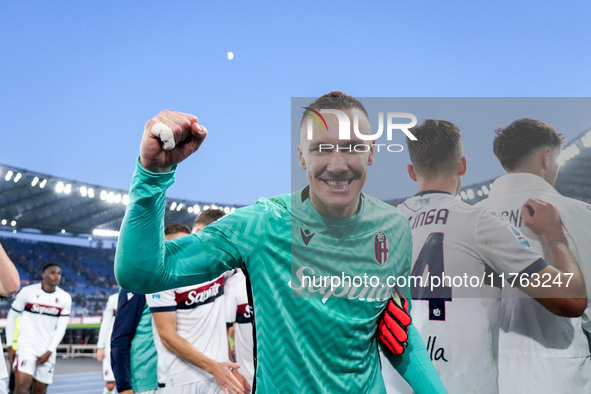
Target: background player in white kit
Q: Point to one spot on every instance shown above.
(9, 284)
(190, 334)
(45, 311)
(460, 324)
(540, 352)
(240, 313)
(103, 345)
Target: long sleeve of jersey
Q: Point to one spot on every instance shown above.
(160, 265)
(105, 324)
(17, 307)
(11, 326)
(60, 331)
(129, 313)
(415, 366)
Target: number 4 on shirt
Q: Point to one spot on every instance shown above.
(431, 259)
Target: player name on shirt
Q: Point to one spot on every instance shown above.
(433, 216)
(43, 309)
(201, 295)
(513, 216)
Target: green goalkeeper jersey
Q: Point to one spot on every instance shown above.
(310, 337)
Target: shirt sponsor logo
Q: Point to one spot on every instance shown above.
(244, 313)
(200, 295)
(155, 296)
(380, 247)
(43, 309)
(346, 290)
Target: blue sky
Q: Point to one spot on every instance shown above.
(78, 80)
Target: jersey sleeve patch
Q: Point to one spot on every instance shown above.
(522, 239)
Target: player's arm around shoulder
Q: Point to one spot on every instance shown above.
(566, 295)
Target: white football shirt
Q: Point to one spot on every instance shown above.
(104, 338)
(40, 314)
(459, 321)
(201, 321)
(540, 352)
(240, 312)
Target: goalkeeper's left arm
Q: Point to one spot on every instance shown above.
(411, 360)
(415, 366)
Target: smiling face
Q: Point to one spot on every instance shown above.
(337, 169)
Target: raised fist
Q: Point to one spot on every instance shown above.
(169, 138)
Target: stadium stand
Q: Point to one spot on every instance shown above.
(87, 273)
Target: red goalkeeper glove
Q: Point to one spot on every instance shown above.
(393, 328)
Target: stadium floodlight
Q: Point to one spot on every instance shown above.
(125, 199)
(67, 189)
(83, 191)
(479, 193)
(43, 183)
(232, 210)
(35, 181)
(90, 192)
(205, 207)
(173, 206)
(179, 207)
(196, 209)
(63, 231)
(485, 190)
(118, 198)
(568, 153)
(103, 195)
(463, 194)
(227, 210)
(8, 176)
(110, 197)
(190, 209)
(90, 238)
(470, 193)
(14, 231)
(105, 233)
(59, 187)
(586, 140)
(18, 177)
(4, 221)
(458, 197)
(13, 223)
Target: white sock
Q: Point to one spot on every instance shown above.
(105, 391)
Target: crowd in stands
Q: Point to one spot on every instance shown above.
(87, 273)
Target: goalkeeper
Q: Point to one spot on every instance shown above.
(306, 340)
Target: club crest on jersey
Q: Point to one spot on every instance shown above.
(380, 247)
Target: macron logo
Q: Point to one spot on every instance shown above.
(129, 295)
(307, 235)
